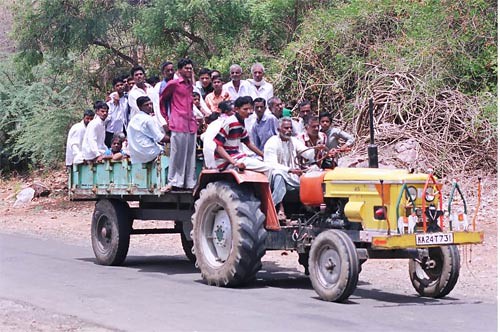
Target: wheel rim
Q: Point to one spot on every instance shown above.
(104, 233)
(433, 274)
(217, 236)
(328, 267)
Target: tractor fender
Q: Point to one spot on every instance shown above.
(259, 181)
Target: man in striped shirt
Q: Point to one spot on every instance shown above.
(231, 134)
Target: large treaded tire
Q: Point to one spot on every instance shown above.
(228, 234)
(110, 231)
(440, 280)
(333, 266)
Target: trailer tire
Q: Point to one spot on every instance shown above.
(187, 246)
(439, 280)
(110, 231)
(333, 266)
(228, 234)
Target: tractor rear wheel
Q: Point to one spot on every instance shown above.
(110, 231)
(437, 276)
(333, 266)
(228, 234)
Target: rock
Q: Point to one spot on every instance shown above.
(40, 189)
(24, 197)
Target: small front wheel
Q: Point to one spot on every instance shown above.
(436, 276)
(333, 266)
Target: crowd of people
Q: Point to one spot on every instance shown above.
(239, 123)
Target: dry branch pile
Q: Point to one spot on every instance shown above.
(447, 128)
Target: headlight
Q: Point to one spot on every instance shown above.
(412, 191)
(429, 194)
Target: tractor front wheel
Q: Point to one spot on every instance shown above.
(436, 276)
(333, 266)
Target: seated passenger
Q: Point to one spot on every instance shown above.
(336, 138)
(75, 139)
(116, 151)
(214, 98)
(313, 138)
(232, 132)
(144, 133)
(284, 149)
(93, 146)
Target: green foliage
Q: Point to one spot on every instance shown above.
(446, 44)
(36, 116)
(321, 50)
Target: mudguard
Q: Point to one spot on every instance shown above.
(258, 180)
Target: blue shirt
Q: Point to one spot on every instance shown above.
(263, 129)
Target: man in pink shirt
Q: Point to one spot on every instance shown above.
(182, 124)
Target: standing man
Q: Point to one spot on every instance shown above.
(183, 126)
(260, 88)
(236, 87)
(266, 125)
(75, 139)
(93, 146)
(167, 72)
(140, 88)
(144, 134)
(116, 122)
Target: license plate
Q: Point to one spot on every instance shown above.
(434, 238)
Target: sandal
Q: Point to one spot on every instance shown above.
(281, 216)
(166, 189)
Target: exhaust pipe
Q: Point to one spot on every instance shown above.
(372, 148)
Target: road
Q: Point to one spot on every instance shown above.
(63, 289)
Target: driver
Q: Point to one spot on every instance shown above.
(283, 150)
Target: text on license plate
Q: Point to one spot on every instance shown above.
(434, 238)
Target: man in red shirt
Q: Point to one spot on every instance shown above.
(183, 126)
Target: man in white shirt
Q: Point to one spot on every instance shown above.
(236, 87)
(282, 151)
(260, 88)
(116, 122)
(167, 71)
(75, 139)
(93, 146)
(140, 88)
(213, 129)
(144, 134)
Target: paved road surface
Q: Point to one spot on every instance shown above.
(60, 286)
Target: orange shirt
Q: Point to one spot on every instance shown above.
(213, 101)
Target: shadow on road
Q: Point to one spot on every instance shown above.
(170, 265)
(274, 276)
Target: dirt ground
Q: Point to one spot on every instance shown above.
(57, 217)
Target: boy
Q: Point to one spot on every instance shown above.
(115, 152)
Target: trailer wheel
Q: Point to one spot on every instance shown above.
(110, 231)
(333, 266)
(228, 234)
(438, 277)
(304, 261)
(187, 246)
